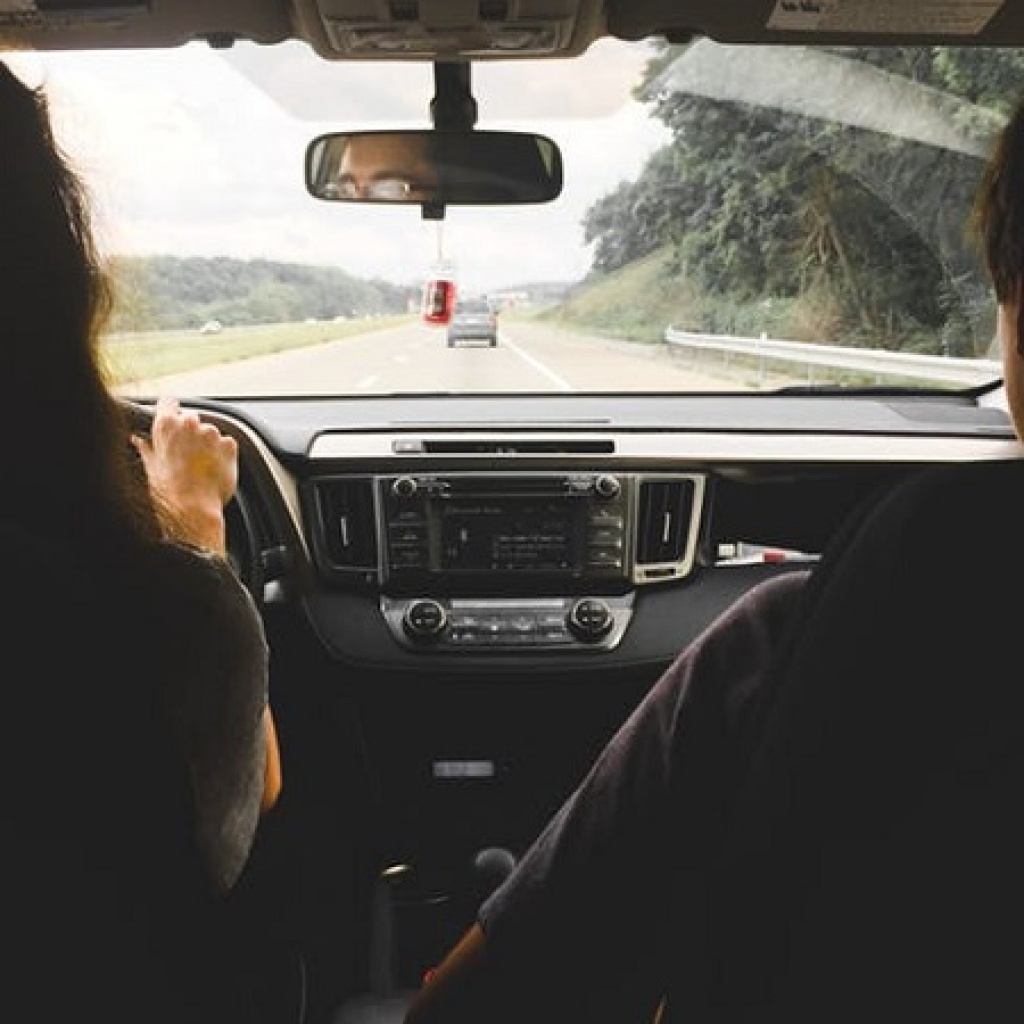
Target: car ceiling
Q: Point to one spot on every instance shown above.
(451, 30)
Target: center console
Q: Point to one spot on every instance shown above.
(510, 560)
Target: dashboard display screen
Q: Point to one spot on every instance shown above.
(479, 534)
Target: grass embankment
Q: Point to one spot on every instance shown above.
(640, 301)
(635, 303)
(143, 356)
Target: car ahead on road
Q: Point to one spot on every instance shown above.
(473, 320)
(733, 234)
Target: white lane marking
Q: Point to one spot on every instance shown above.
(559, 382)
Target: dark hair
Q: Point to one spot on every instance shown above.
(998, 214)
(64, 454)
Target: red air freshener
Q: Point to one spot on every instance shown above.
(438, 301)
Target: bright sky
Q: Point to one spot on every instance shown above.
(185, 156)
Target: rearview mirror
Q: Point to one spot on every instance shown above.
(433, 166)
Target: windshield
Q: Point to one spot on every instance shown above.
(732, 219)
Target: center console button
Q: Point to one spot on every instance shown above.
(590, 618)
(425, 619)
(404, 486)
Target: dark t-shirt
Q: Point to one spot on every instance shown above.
(581, 915)
(133, 759)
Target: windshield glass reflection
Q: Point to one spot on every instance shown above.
(732, 218)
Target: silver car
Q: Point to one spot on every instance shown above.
(473, 320)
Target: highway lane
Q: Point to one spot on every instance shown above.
(413, 358)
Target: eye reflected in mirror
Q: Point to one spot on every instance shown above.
(466, 168)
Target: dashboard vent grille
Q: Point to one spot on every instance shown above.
(666, 507)
(404, 10)
(347, 522)
(505, 446)
(493, 10)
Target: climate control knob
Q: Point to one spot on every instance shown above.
(425, 619)
(404, 486)
(590, 619)
(607, 486)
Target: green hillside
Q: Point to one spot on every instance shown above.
(638, 301)
(179, 292)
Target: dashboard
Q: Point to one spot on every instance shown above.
(466, 596)
(464, 528)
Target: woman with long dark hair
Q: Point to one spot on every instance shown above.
(137, 716)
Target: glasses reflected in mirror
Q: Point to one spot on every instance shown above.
(446, 167)
(381, 190)
(386, 167)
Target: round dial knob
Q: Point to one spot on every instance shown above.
(607, 486)
(404, 487)
(590, 618)
(424, 619)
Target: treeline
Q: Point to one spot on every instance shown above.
(172, 292)
(818, 231)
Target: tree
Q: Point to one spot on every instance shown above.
(761, 202)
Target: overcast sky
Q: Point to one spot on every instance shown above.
(186, 155)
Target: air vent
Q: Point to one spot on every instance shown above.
(405, 10)
(493, 10)
(666, 508)
(346, 522)
(504, 446)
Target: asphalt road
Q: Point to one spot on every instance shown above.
(413, 358)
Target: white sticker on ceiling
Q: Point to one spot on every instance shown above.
(947, 17)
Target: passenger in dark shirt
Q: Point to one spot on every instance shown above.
(575, 927)
(575, 933)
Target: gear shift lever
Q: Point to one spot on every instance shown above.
(491, 866)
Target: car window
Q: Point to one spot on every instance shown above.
(733, 219)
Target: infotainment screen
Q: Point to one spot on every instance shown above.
(480, 534)
(465, 532)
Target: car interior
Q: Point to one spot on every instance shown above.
(468, 579)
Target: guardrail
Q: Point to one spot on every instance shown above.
(878, 363)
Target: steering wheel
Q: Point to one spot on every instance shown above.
(242, 534)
